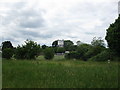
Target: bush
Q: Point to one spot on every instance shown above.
(93, 51)
(103, 56)
(82, 50)
(7, 53)
(60, 50)
(114, 56)
(20, 53)
(28, 51)
(72, 55)
(79, 53)
(49, 53)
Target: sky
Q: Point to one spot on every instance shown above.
(45, 21)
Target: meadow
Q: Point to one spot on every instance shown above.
(59, 73)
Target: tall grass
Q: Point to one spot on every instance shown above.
(59, 74)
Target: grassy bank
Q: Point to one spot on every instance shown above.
(59, 74)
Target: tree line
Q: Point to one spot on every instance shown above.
(95, 51)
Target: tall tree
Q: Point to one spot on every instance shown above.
(6, 44)
(98, 42)
(68, 44)
(44, 46)
(113, 36)
(55, 43)
(7, 49)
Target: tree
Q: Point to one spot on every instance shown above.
(7, 49)
(98, 42)
(7, 53)
(20, 52)
(60, 50)
(68, 44)
(93, 51)
(79, 52)
(113, 36)
(44, 46)
(71, 48)
(72, 55)
(103, 56)
(78, 43)
(49, 53)
(6, 44)
(28, 51)
(55, 43)
(82, 50)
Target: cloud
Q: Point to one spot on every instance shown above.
(47, 20)
(31, 19)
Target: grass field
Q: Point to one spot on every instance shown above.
(59, 73)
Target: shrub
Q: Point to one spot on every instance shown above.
(7, 53)
(72, 55)
(114, 56)
(44, 46)
(93, 51)
(28, 51)
(79, 53)
(60, 50)
(82, 50)
(103, 56)
(20, 53)
(48, 53)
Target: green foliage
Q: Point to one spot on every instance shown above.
(20, 52)
(103, 56)
(28, 51)
(83, 49)
(79, 53)
(93, 51)
(7, 53)
(55, 43)
(44, 46)
(6, 44)
(7, 49)
(113, 55)
(72, 48)
(72, 55)
(98, 42)
(60, 50)
(68, 44)
(55, 49)
(48, 53)
(113, 36)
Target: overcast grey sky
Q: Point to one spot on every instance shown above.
(47, 20)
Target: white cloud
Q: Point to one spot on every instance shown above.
(47, 20)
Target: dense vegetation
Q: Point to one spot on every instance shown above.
(85, 52)
(31, 50)
(113, 36)
(48, 53)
